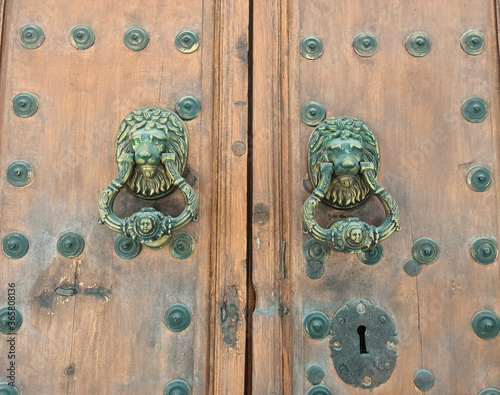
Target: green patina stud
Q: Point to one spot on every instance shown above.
(177, 387)
(315, 374)
(127, 248)
(314, 269)
(25, 104)
(82, 37)
(136, 38)
(418, 44)
(490, 391)
(484, 251)
(31, 36)
(372, 255)
(70, 245)
(424, 380)
(20, 173)
(365, 44)
(473, 42)
(316, 325)
(312, 113)
(412, 267)
(486, 324)
(188, 107)
(315, 250)
(311, 47)
(478, 178)
(6, 389)
(182, 245)
(425, 250)
(474, 109)
(319, 390)
(15, 245)
(177, 317)
(187, 41)
(10, 320)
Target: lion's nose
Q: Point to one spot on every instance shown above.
(347, 163)
(144, 154)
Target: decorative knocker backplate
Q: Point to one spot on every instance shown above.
(151, 153)
(343, 159)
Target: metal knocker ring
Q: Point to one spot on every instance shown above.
(151, 152)
(343, 159)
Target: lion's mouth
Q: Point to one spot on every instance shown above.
(148, 171)
(346, 181)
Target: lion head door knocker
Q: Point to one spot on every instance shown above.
(151, 153)
(343, 159)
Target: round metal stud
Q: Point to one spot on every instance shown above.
(31, 36)
(136, 38)
(365, 44)
(20, 173)
(127, 248)
(490, 391)
(311, 47)
(82, 37)
(473, 42)
(182, 245)
(486, 324)
(484, 251)
(188, 107)
(15, 245)
(315, 250)
(6, 389)
(412, 267)
(177, 317)
(70, 245)
(316, 325)
(372, 255)
(10, 320)
(315, 374)
(314, 269)
(474, 109)
(187, 41)
(25, 104)
(312, 113)
(424, 380)
(478, 178)
(425, 250)
(319, 390)
(418, 44)
(177, 387)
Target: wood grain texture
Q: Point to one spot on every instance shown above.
(413, 106)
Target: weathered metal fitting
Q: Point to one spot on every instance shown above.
(177, 317)
(311, 47)
(182, 245)
(412, 267)
(424, 380)
(82, 36)
(20, 173)
(187, 41)
(314, 269)
(312, 113)
(418, 44)
(425, 251)
(136, 38)
(31, 36)
(319, 390)
(315, 374)
(474, 109)
(127, 248)
(15, 245)
(365, 44)
(177, 387)
(6, 389)
(188, 107)
(10, 320)
(490, 391)
(315, 250)
(70, 245)
(316, 325)
(473, 42)
(25, 104)
(372, 255)
(478, 178)
(484, 250)
(486, 324)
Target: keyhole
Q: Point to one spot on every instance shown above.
(362, 340)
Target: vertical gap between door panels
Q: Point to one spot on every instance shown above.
(250, 289)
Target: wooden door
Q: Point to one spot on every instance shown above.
(96, 322)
